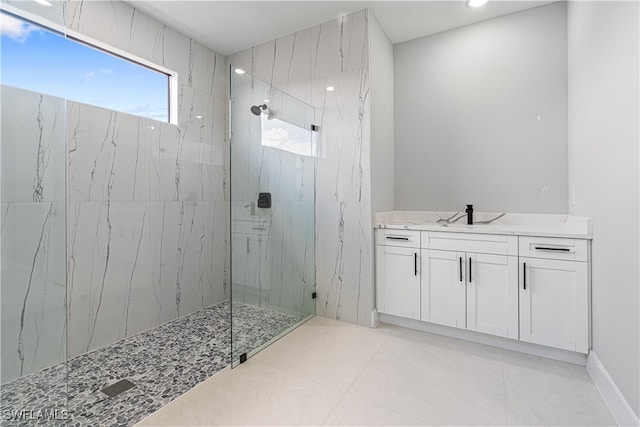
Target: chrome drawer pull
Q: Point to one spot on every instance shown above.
(397, 238)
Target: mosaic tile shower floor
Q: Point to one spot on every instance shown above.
(163, 362)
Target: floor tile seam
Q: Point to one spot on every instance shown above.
(504, 387)
(299, 376)
(389, 408)
(334, 408)
(366, 366)
(456, 378)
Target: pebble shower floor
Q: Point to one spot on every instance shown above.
(163, 362)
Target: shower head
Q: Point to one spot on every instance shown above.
(258, 109)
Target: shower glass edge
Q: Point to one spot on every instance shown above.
(272, 154)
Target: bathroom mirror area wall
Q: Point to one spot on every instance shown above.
(481, 116)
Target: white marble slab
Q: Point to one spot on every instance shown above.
(147, 217)
(33, 139)
(304, 64)
(33, 287)
(119, 25)
(544, 225)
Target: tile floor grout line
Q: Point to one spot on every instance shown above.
(356, 379)
(504, 384)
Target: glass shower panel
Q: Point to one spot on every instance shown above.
(33, 252)
(272, 213)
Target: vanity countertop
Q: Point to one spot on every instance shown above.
(520, 224)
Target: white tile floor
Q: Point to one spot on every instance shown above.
(333, 373)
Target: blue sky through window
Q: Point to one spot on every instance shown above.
(35, 59)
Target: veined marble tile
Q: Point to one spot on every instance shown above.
(117, 24)
(33, 141)
(108, 155)
(55, 13)
(109, 271)
(340, 45)
(344, 266)
(303, 65)
(343, 166)
(292, 256)
(33, 287)
(181, 250)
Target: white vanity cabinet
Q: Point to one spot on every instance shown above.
(554, 292)
(469, 281)
(398, 272)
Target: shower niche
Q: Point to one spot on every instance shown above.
(272, 197)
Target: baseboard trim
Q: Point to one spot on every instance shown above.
(375, 318)
(612, 396)
(480, 338)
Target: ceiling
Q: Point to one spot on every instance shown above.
(231, 26)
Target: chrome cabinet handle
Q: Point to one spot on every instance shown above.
(461, 269)
(397, 238)
(415, 263)
(524, 276)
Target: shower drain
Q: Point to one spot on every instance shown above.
(117, 388)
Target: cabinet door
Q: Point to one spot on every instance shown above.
(554, 303)
(443, 287)
(492, 294)
(398, 281)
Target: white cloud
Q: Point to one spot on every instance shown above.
(88, 76)
(16, 29)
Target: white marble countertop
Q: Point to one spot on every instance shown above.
(543, 225)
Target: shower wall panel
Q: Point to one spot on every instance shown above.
(33, 226)
(146, 219)
(304, 64)
(148, 202)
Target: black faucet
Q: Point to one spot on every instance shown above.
(469, 212)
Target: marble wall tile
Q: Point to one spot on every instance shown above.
(147, 215)
(292, 249)
(119, 25)
(55, 13)
(33, 135)
(32, 218)
(33, 287)
(332, 54)
(108, 155)
(340, 45)
(135, 183)
(344, 267)
(108, 265)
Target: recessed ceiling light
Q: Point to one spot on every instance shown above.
(266, 101)
(239, 71)
(43, 2)
(199, 117)
(330, 88)
(476, 3)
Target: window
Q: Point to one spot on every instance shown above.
(39, 60)
(286, 136)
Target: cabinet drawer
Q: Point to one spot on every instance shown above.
(554, 248)
(496, 244)
(403, 238)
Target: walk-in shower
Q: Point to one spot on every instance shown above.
(129, 274)
(272, 213)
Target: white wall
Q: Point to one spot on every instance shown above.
(382, 148)
(467, 103)
(603, 40)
